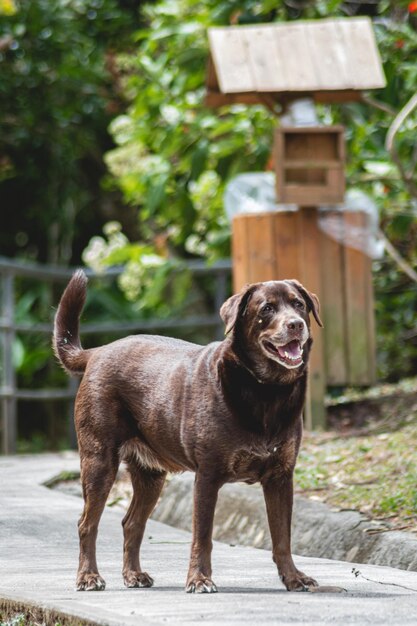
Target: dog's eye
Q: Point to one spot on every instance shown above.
(298, 304)
(267, 308)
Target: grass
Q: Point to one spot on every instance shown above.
(20, 619)
(25, 614)
(16, 620)
(374, 472)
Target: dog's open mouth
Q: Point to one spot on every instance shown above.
(290, 355)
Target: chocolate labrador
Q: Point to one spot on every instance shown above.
(229, 411)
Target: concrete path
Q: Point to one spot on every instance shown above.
(39, 551)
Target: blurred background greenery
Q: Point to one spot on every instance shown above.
(108, 155)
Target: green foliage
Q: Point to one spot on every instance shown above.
(151, 282)
(58, 93)
(56, 99)
(174, 155)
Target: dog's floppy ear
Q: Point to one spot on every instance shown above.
(234, 307)
(310, 298)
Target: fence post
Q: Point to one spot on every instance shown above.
(9, 413)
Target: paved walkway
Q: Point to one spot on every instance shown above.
(39, 551)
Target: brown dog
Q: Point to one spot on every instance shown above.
(229, 411)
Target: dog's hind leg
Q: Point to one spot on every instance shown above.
(98, 471)
(147, 486)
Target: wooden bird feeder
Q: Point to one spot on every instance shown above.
(310, 165)
(329, 61)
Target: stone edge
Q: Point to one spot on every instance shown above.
(318, 531)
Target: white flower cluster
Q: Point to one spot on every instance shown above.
(131, 281)
(99, 249)
(123, 160)
(136, 275)
(203, 193)
(204, 190)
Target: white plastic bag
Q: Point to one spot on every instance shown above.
(253, 192)
(365, 237)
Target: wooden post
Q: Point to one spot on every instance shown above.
(333, 304)
(359, 309)
(9, 412)
(240, 254)
(310, 276)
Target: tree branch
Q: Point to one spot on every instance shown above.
(396, 256)
(382, 106)
(398, 121)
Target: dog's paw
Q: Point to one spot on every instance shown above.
(200, 584)
(298, 581)
(137, 579)
(90, 582)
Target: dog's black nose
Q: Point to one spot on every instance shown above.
(295, 324)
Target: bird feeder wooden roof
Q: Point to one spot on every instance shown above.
(330, 60)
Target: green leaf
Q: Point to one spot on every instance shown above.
(156, 194)
(18, 353)
(199, 159)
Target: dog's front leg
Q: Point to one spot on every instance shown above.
(278, 492)
(206, 488)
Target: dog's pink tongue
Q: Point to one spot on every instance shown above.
(292, 349)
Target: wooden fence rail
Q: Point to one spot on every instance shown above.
(10, 393)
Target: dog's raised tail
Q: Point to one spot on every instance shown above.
(66, 337)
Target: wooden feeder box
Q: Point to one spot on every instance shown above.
(309, 165)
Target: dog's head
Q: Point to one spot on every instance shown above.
(269, 326)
